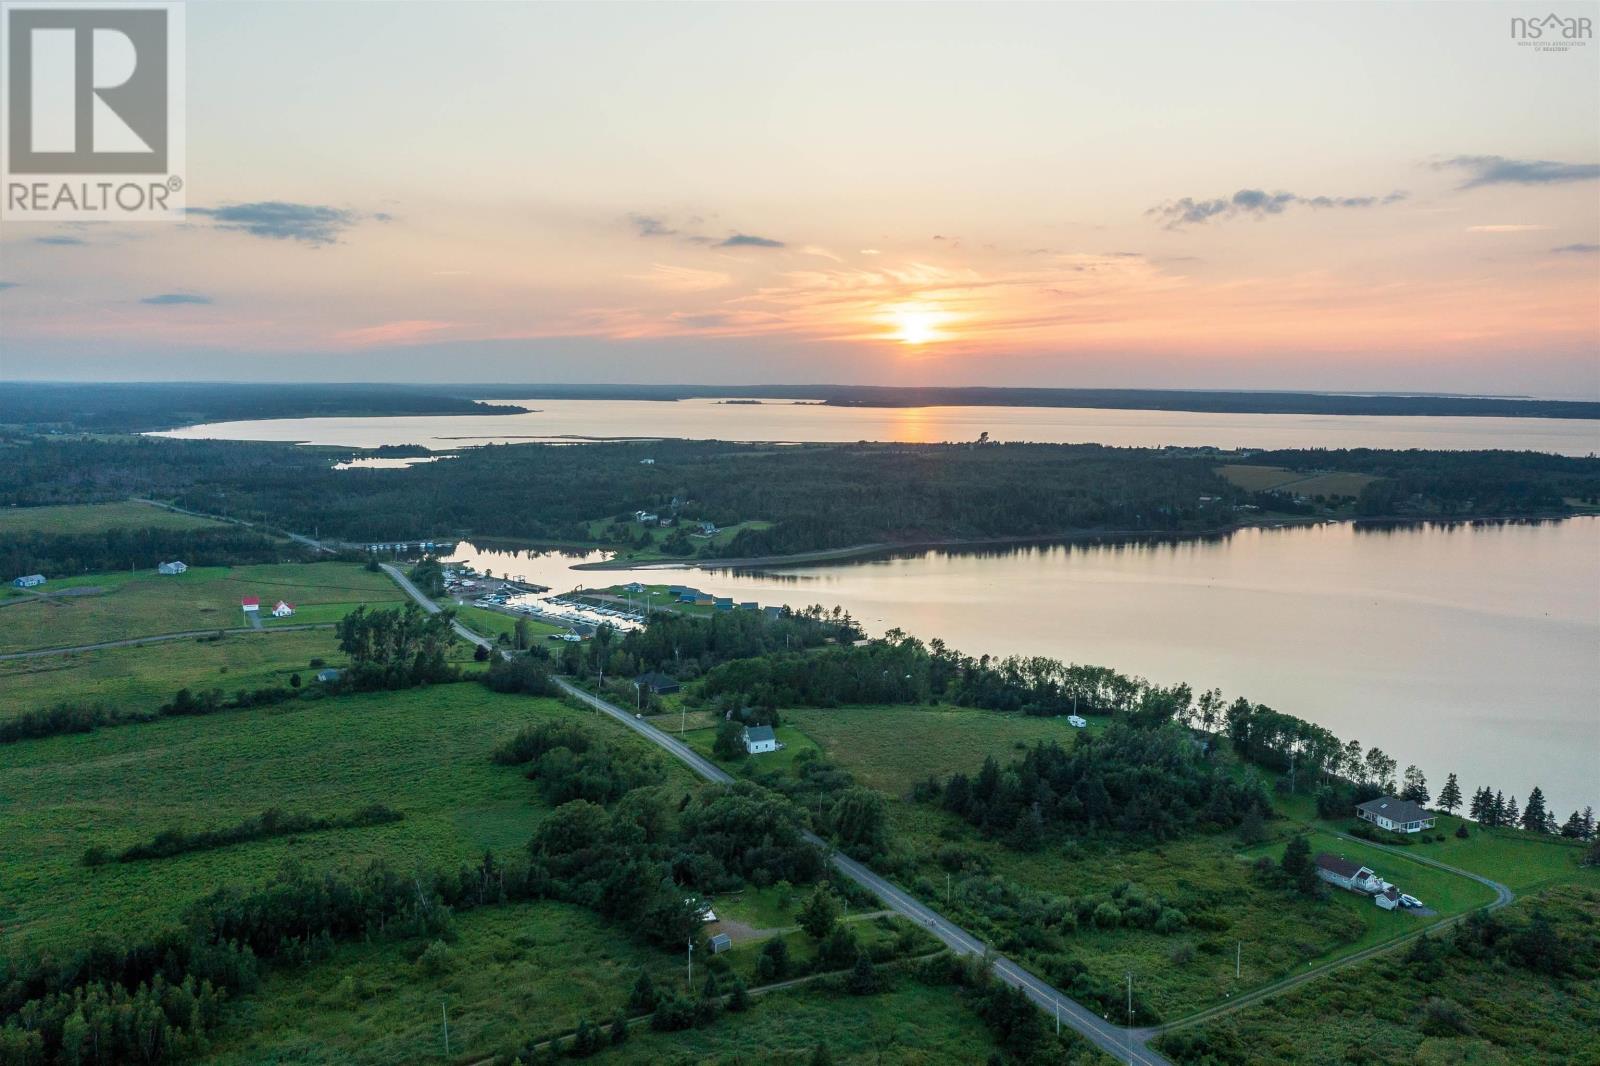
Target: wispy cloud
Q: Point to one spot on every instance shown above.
(4, 285)
(405, 331)
(60, 241)
(1498, 170)
(313, 224)
(1257, 203)
(747, 240)
(683, 279)
(168, 298)
(1577, 249)
(650, 226)
(1507, 227)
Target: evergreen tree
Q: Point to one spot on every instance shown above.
(1297, 856)
(1450, 795)
(1588, 823)
(1481, 806)
(643, 997)
(1533, 815)
(820, 1055)
(1510, 816)
(738, 999)
(863, 979)
(1497, 812)
(619, 1029)
(1573, 829)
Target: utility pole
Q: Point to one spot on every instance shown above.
(691, 964)
(1058, 1017)
(1238, 956)
(947, 895)
(1129, 1030)
(445, 1020)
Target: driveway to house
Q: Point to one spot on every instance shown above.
(1128, 1045)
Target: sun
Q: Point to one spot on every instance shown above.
(917, 324)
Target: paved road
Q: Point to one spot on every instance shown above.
(1128, 1046)
(135, 641)
(433, 608)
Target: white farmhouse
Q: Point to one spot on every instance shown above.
(282, 609)
(759, 739)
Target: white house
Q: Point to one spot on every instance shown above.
(29, 581)
(250, 604)
(1076, 722)
(759, 739)
(1388, 899)
(647, 462)
(1346, 874)
(282, 609)
(647, 518)
(173, 567)
(1398, 815)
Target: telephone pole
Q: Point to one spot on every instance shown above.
(691, 964)
(445, 1021)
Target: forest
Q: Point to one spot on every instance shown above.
(66, 554)
(802, 497)
(134, 407)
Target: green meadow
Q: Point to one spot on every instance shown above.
(1265, 930)
(145, 676)
(424, 752)
(96, 518)
(126, 605)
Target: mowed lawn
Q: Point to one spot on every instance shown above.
(425, 752)
(891, 748)
(145, 676)
(96, 518)
(148, 604)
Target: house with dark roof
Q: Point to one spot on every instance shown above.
(1348, 875)
(759, 739)
(1396, 815)
(657, 682)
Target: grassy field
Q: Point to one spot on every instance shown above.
(96, 518)
(493, 623)
(1388, 1010)
(424, 752)
(1519, 860)
(146, 603)
(890, 748)
(910, 1024)
(1206, 876)
(658, 535)
(145, 676)
(1276, 478)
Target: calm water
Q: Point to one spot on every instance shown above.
(785, 421)
(1466, 648)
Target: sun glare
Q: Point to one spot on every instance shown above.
(915, 324)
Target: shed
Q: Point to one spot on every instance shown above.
(28, 581)
(173, 567)
(329, 676)
(720, 943)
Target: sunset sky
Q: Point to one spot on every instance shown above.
(1343, 196)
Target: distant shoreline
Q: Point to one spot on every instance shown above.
(822, 556)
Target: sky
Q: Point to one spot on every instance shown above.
(1352, 196)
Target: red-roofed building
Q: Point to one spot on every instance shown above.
(283, 610)
(251, 603)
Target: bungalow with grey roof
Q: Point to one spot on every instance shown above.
(1397, 815)
(759, 739)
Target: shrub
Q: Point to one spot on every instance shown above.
(435, 959)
